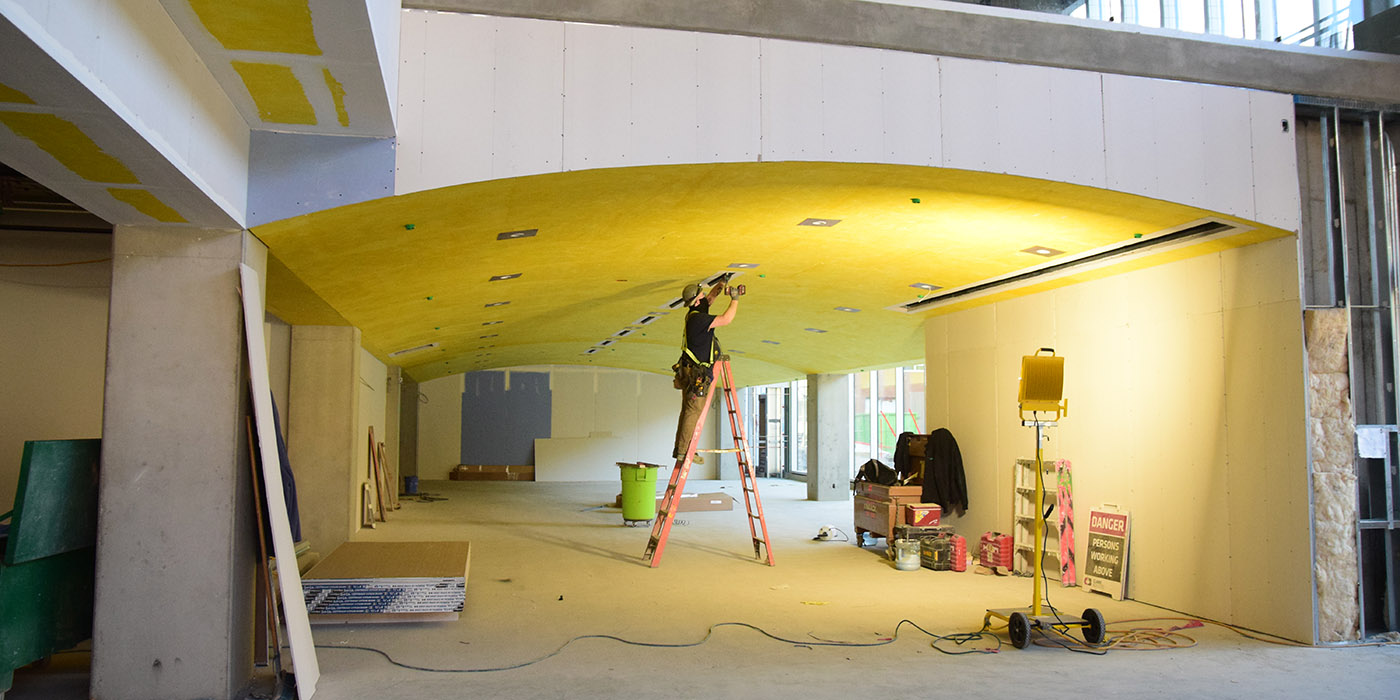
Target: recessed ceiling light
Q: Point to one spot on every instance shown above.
(499, 278)
(607, 342)
(814, 330)
(772, 342)
(1042, 251)
(590, 351)
(847, 309)
(492, 335)
(924, 285)
(744, 266)
(624, 332)
(492, 323)
(496, 303)
(418, 348)
(649, 318)
(819, 222)
(508, 235)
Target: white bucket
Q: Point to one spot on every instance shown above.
(906, 555)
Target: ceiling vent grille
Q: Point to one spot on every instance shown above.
(419, 348)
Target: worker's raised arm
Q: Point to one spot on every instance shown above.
(725, 318)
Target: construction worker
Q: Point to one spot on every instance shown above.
(695, 369)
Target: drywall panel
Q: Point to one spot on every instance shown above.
(528, 124)
(1185, 389)
(1075, 116)
(1274, 157)
(384, 18)
(615, 409)
(1178, 132)
(294, 174)
(597, 96)
(579, 459)
(1268, 490)
(791, 100)
(457, 87)
(969, 114)
(412, 102)
(727, 101)
(439, 426)
(851, 104)
(55, 344)
(1130, 133)
(503, 413)
(909, 110)
(132, 57)
(663, 95)
(1024, 133)
(572, 410)
(1228, 173)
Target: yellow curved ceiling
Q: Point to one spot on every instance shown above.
(616, 245)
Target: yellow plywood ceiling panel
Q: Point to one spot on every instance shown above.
(13, 96)
(277, 26)
(277, 92)
(613, 246)
(68, 145)
(147, 204)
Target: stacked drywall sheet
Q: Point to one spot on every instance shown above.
(389, 582)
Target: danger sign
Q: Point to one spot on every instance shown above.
(1106, 570)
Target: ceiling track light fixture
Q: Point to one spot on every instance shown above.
(502, 278)
(512, 235)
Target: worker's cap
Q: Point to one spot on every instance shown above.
(691, 291)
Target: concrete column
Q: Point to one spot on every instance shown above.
(176, 534)
(408, 428)
(323, 432)
(828, 437)
(393, 404)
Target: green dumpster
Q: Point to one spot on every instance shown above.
(638, 490)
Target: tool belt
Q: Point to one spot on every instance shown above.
(691, 376)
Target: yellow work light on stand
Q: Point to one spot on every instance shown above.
(1042, 392)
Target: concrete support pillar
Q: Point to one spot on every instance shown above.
(176, 534)
(323, 434)
(392, 406)
(408, 428)
(828, 437)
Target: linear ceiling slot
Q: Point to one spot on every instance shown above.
(419, 348)
(510, 235)
(1194, 233)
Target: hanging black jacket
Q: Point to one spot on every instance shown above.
(944, 482)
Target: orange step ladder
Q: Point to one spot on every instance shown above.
(661, 529)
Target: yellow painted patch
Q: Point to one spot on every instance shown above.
(337, 94)
(9, 94)
(147, 204)
(617, 245)
(68, 145)
(277, 26)
(277, 92)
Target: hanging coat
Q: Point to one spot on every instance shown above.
(944, 482)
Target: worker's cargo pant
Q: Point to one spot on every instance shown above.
(691, 406)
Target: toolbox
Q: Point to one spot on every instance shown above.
(995, 550)
(922, 513)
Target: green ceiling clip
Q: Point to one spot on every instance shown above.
(408, 227)
(914, 200)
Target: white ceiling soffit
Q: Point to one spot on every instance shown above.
(300, 66)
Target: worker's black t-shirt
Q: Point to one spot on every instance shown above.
(699, 337)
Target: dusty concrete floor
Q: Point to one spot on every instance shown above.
(548, 564)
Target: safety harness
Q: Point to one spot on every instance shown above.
(691, 374)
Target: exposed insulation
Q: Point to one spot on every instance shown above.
(1331, 432)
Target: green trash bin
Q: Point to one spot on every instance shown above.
(638, 490)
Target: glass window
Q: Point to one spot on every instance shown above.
(799, 438)
(888, 409)
(914, 400)
(860, 417)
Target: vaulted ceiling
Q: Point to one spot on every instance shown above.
(586, 267)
